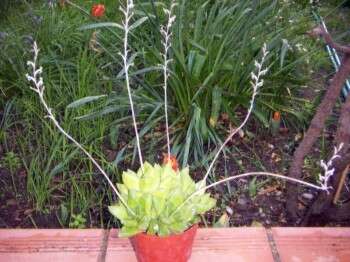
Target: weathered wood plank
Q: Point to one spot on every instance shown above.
(313, 244)
(233, 244)
(218, 245)
(50, 245)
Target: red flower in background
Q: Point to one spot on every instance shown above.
(98, 10)
(172, 160)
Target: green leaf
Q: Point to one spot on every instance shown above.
(134, 199)
(138, 23)
(118, 211)
(187, 213)
(177, 198)
(131, 180)
(148, 206)
(149, 184)
(188, 185)
(130, 223)
(64, 213)
(100, 25)
(201, 184)
(94, 115)
(284, 50)
(252, 187)
(167, 184)
(164, 230)
(123, 190)
(169, 171)
(84, 101)
(215, 105)
(159, 203)
(178, 227)
(198, 65)
(129, 231)
(144, 223)
(151, 179)
(262, 117)
(147, 168)
(153, 227)
(203, 203)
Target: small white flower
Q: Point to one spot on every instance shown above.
(328, 170)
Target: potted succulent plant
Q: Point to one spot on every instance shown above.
(154, 222)
(160, 205)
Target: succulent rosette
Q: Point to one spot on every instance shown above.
(159, 198)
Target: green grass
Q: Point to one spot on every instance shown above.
(57, 172)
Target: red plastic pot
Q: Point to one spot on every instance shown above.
(173, 248)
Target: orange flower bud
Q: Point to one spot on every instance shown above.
(172, 160)
(276, 116)
(97, 10)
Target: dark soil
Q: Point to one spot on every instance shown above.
(17, 210)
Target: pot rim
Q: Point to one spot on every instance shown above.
(144, 234)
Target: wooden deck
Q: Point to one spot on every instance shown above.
(218, 245)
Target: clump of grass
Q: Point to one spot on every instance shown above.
(73, 71)
(12, 163)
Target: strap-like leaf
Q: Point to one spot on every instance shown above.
(100, 25)
(138, 23)
(83, 101)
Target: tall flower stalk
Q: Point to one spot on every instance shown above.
(256, 82)
(128, 12)
(38, 87)
(166, 33)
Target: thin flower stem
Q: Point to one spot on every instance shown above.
(202, 190)
(128, 12)
(165, 75)
(323, 179)
(167, 44)
(39, 88)
(256, 83)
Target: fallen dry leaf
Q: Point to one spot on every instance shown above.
(275, 157)
(268, 189)
(298, 137)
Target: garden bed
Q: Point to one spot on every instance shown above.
(252, 202)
